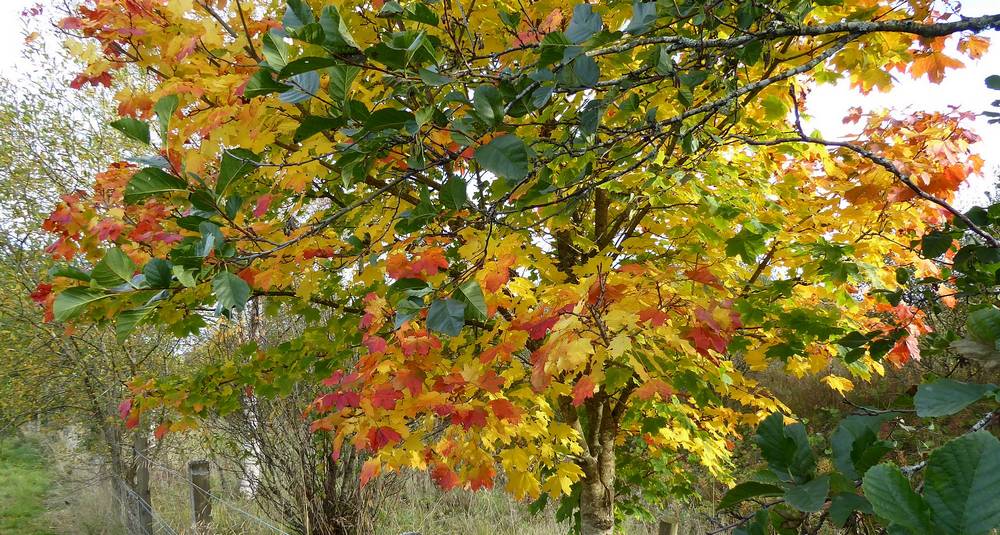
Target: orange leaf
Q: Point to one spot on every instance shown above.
(653, 387)
(974, 46)
(505, 410)
(370, 469)
(583, 389)
(933, 64)
(445, 477)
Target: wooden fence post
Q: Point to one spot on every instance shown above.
(201, 499)
(668, 528)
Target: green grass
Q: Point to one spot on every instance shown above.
(24, 481)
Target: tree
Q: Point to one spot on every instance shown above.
(48, 372)
(534, 237)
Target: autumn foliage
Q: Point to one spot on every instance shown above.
(519, 238)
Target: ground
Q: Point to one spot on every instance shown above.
(24, 482)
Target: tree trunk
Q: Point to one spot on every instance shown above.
(597, 495)
(144, 506)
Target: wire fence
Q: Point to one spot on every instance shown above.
(184, 479)
(157, 519)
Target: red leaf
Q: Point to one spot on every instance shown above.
(132, 421)
(704, 276)
(41, 293)
(445, 477)
(505, 410)
(381, 437)
(385, 397)
(421, 343)
(376, 344)
(654, 316)
(449, 383)
(263, 203)
(653, 387)
(704, 339)
(108, 229)
(425, 263)
(583, 389)
(124, 408)
(491, 382)
(412, 380)
(469, 418)
(161, 430)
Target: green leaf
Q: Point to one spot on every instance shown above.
(584, 24)
(892, 498)
(127, 321)
(411, 287)
(946, 396)
(643, 17)
(935, 244)
(335, 32)
(133, 128)
(388, 119)
(843, 505)
(472, 295)
(152, 181)
(165, 108)
(69, 272)
(488, 105)
(114, 270)
(993, 82)
(298, 14)
(745, 491)
(275, 50)
(314, 124)
(230, 291)
(306, 64)
(431, 77)
(852, 438)
(506, 157)
(304, 86)
(158, 273)
(616, 377)
(184, 276)
(262, 83)
(745, 244)
(809, 497)
(453, 194)
(962, 484)
(586, 71)
(984, 324)
(236, 164)
(552, 48)
(341, 79)
(786, 448)
(71, 302)
(446, 316)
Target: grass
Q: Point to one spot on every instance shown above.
(24, 482)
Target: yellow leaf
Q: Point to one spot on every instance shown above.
(840, 384)
(522, 485)
(619, 345)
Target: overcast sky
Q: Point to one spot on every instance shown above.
(827, 104)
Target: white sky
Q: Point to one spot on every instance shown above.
(827, 104)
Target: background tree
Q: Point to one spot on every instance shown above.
(48, 372)
(539, 231)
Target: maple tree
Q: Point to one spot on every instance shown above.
(554, 239)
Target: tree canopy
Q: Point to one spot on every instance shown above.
(536, 236)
